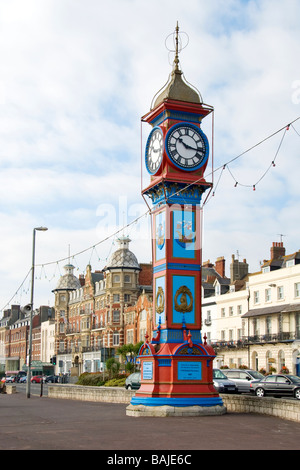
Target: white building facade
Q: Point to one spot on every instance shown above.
(258, 326)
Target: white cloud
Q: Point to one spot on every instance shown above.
(76, 77)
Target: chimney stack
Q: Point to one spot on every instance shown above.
(277, 250)
(220, 266)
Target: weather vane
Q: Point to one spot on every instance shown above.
(179, 42)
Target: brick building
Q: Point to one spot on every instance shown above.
(90, 311)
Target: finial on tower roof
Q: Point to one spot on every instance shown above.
(177, 87)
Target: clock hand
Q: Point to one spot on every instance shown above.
(186, 145)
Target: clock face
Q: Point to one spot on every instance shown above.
(187, 146)
(154, 150)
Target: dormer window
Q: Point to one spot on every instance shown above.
(290, 263)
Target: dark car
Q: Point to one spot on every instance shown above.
(133, 381)
(52, 379)
(278, 385)
(222, 384)
(243, 378)
(20, 375)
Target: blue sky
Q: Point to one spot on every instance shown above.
(76, 78)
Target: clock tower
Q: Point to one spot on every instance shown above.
(176, 365)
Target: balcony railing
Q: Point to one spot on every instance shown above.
(284, 336)
(257, 339)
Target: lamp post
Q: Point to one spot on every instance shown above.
(41, 229)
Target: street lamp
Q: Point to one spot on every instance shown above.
(40, 229)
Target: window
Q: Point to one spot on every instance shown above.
(116, 339)
(116, 278)
(268, 295)
(222, 312)
(280, 293)
(230, 311)
(297, 289)
(256, 297)
(268, 325)
(281, 379)
(239, 310)
(290, 263)
(255, 327)
(116, 298)
(270, 378)
(142, 334)
(297, 319)
(116, 316)
(126, 297)
(129, 336)
(127, 278)
(143, 315)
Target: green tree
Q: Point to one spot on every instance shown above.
(129, 353)
(113, 366)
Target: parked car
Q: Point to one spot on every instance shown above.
(37, 379)
(277, 385)
(10, 379)
(52, 379)
(133, 381)
(222, 384)
(243, 378)
(23, 379)
(20, 375)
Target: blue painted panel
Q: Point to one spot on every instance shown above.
(160, 299)
(160, 236)
(189, 282)
(192, 401)
(147, 370)
(189, 370)
(184, 234)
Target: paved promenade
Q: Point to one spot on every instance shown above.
(42, 423)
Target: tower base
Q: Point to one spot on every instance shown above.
(176, 411)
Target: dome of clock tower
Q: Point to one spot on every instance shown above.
(177, 88)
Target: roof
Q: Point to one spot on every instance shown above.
(68, 281)
(123, 257)
(283, 308)
(176, 88)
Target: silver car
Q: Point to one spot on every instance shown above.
(222, 384)
(242, 378)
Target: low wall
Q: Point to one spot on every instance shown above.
(84, 393)
(281, 408)
(9, 389)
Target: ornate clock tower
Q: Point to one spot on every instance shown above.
(176, 366)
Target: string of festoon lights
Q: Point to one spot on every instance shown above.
(93, 249)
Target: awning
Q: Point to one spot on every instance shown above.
(283, 308)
